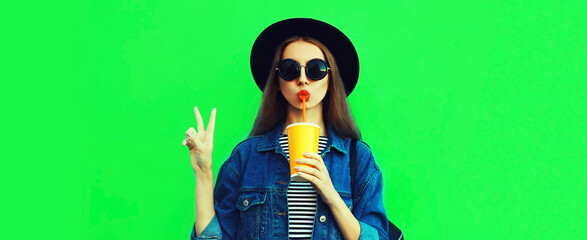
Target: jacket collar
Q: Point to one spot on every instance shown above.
(270, 141)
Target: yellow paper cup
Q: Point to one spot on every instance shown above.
(301, 137)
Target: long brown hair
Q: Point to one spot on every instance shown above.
(336, 110)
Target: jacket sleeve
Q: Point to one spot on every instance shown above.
(224, 224)
(369, 208)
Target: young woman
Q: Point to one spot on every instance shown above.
(254, 197)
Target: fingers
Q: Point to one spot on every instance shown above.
(191, 132)
(211, 123)
(314, 156)
(313, 159)
(313, 179)
(308, 161)
(197, 138)
(309, 171)
(312, 163)
(191, 138)
(187, 140)
(199, 120)
(317, 167)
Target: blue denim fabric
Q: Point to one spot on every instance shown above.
(250, 195)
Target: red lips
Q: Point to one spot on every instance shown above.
(304, 95)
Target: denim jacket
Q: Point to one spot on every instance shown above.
(250, 195)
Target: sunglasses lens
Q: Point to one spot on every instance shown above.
(316, 69)
(289, 69)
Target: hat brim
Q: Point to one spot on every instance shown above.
(339, 45)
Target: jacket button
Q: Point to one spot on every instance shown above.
(246, 202)
(322, 218)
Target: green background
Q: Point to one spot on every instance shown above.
(475, 111)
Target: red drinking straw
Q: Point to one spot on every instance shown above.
(304, 96)
(304, 109)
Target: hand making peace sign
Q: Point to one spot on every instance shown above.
(200, 143)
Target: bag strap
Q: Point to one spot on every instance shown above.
(353, 163)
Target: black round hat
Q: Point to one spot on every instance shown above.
(339, 45)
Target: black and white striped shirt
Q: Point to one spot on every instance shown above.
(301, 199)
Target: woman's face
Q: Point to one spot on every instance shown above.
(303, 52)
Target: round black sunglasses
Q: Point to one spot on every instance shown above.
(289, 69)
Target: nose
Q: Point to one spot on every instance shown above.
(303, 79)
